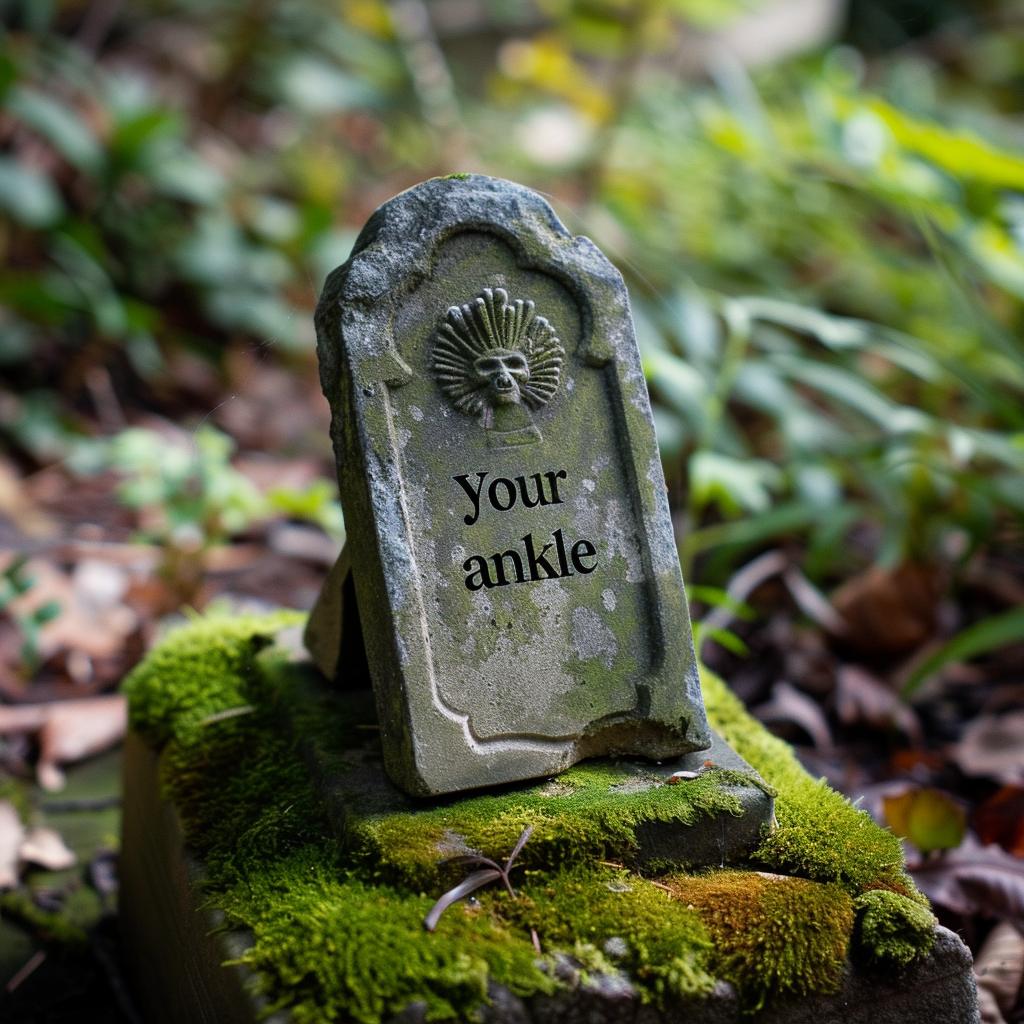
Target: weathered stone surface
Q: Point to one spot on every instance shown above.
(511, 545)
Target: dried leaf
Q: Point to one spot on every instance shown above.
(743, 583)
(813, 603)
(863, 698)
(929, 818)
(993, 746)
(68, 730)
(45, 847)
(1000, 819)
(975, 879)
(999, 970)
(475, 881)
(890, 611)
(16, 504)
(88, 619)
(788, 704)
(12, 835)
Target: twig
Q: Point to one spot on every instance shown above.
(491, 873)
(220, 716)
(33, 962)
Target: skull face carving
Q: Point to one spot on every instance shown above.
(503, 370)
(493, 357)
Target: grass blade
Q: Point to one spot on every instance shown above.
(982, 637)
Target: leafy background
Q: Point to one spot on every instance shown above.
(824, 244)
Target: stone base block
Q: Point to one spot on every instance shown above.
(182, 968)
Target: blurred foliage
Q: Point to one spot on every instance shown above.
(929, 818)
(189, 497)
(826, 258)
(15, 582)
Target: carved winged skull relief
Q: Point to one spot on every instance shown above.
(496, 359)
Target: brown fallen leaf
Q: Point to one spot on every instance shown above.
(863, 698)
(992, 746)
(16, 504)
(12, 835)
(45, 847)
(999, 970)
(890, 611)
(92, 617)
(788, 704)
(974, 879)
(67, 731)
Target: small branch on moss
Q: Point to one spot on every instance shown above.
(477, 880)
(220, 716)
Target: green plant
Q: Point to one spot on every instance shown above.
(189, 497)
(186, 491)
(981, 638)
(15, 582)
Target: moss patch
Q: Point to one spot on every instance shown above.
(576, 820)
(773, 935)
(819, 834)
(330, 949)
(337, 926)
(662, 943)
(892, 929)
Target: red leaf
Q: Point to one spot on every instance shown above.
(1000, 819)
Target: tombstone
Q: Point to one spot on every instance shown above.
(511, 548)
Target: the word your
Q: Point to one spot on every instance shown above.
(504, 493)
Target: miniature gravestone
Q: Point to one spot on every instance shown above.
(508, 523)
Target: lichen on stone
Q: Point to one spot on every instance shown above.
(336, 926)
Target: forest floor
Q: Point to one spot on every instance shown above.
(946, 767)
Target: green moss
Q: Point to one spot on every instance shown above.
(819, 834)
(667, 948)
(337, 926)
(329, 949)
(17, 793)
(204, 669)
(773, 935)
(579, 818)
(893, 930)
